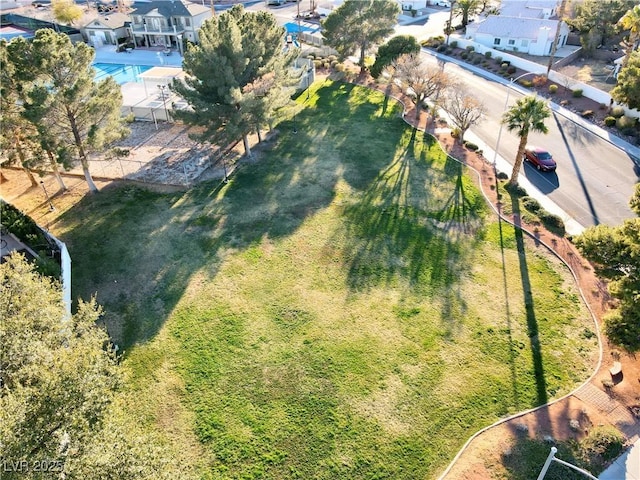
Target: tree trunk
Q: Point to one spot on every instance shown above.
(518, 162)
(247, 148)
(56, 171)
(362, 55)
(259, 135)
(83, 156)
(418, 114)
(461, 139)
(23, 164)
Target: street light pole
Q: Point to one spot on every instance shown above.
(506, 104)
(46, 194)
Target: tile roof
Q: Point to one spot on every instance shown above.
(526, 8)
(111, 20)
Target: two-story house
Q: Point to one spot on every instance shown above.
(167, 23)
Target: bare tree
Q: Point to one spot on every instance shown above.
(417, 80)
(464, 109)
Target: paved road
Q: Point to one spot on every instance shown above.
(594, 180)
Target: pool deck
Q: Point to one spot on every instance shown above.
(138, 56)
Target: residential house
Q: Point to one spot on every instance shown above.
(544, 9)
(167, 23)
(534, 36)
(106, 29)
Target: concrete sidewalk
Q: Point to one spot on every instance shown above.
(626, 467)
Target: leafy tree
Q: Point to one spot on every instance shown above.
(627, 89)
(57, 377)
(239, 76)
(527, 115)
(596, 20)
(388, 52)
(418, 80)
(631, 21)
(358, 25)
(66, 11)
(29, 139)
(615, 253)
(71, 106)
(467, 8)
(58, 386)
(464, 109)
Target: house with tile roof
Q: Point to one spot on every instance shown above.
(543, 9)
(534, 36)
(167, 23)
(106, 29)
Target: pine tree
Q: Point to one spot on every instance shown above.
(236, 76)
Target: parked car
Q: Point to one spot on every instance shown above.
(539, 158)
(442, 3)
(41, 3)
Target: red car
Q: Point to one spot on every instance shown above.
(539, 158)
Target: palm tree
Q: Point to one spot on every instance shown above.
(631, 21)
(527, 115)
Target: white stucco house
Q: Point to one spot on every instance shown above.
(106, 29)
(543, 9)
(534, 36)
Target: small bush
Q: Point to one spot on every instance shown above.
(531, 204)
(317, 64)
(551, 221)
(455, 132)
(487, 54)
(587, 114)
(332, 58)
(470, 48)
(577, 93)
(498, 60)
(617, 111)
(471, 146)
(625, 122)
(515, 190)
(540, 80)
(610, 121)
(339, 67)
(511, 69)
(441, 48)
(526, 83)
(502, 176)
(601, 446)
(477, 60)
(504, 65)
(454, 44)
(553, 88)
(449, 50)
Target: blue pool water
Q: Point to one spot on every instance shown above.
(120, 73)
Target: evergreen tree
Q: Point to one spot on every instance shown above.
(239, 76)
(388, 52)
(65, 101)
(358, 25)
(627, 89)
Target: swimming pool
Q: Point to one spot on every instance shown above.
(120, 73)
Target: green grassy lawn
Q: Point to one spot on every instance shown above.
(344, 308)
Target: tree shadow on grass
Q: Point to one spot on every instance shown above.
(532, 323)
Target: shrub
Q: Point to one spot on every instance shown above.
(516, 190)
(531, 204)
(471, 146)
(508, 62)
(511, 69)
(332, 58)
(539, 80)
(334, 63)
(455, 132)
(470, 48)
(317, 64)
(477, 60)
(453, 44)
(617, 111)
(464, 55)
(498, 60)
(449, 50)
(553, 88)
(610, 121)
(622, 330)
(504, 65)
(577, 93)
(551, 221)
(487, 54)
(441, 48)
(526, 83)
(587, 114)
(601, 446)
(625, 122)
(339, 67)
(502, 176)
